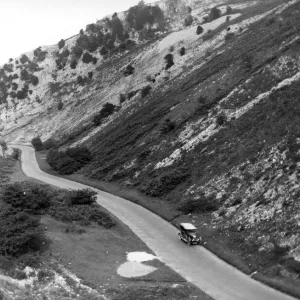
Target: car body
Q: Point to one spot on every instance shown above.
(188, 234)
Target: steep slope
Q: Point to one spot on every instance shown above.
(215, 135)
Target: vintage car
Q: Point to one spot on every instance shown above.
(188, 234)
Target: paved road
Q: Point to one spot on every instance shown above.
(218, 279)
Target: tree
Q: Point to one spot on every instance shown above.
(199, 30)
(61, 43)
(3, 146)
(169, 60)
(37, 143)
(188, 21)
(182, 51)
(87, 58)
(24, 58)
(214, 14)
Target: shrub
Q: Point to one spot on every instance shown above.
(188, 21)
(165, 183)
(199, 30)
(24, 75)
(167, 126)
(61, 43)
(45, 275)
(122, 98)
(293, 265)
(129, 70)
(80, 197)
(107, 110)
(87, 58)
(73, 63)
(84, 214)
(34, 80)
(169, 60)
(204, 204)
(50, 143)
(24, 58)
(19, 232)
(145, 91)
(182, 51)
(37, 143)
(80, 153)
(214, 14)
(77, 51)
(73, 228)
(22, 94)
(221, 120)
(60, 105)
(103, 51)
(32, 199)
(229, 36)
(62, 162)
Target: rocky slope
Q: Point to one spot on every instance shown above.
(215, 134)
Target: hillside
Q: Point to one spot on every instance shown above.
(211, 131)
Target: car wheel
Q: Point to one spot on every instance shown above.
(188, 242)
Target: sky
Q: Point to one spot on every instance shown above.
(28, 24)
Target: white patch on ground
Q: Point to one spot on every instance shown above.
(140, 256)
(134, 267)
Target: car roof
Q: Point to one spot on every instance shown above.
(188, 226)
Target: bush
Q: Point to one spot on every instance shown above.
(204, 204)
(77, 51)
(81, 154)
(169, 60)
(165, 183)
(81, 197)
(188, 21)
(129, 70)
(37, 143)
(73, 64)
(24, 58)
(50, 143)
(122, 98)
(107, 110)
(167, 126)
(87, 58)
(60, 105)
(19, 232)
(145, 91)
(73, 228)
(182, 51)
(84, 214)
(61, 43)
(199, 30)
(62, 162)
(34, 80)
(68, 162)
(103, 51)
(221, 120)
(32, 199)
(214, 14)
(45, 275)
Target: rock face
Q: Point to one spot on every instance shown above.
(35, 84)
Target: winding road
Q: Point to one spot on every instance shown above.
(212, 275)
